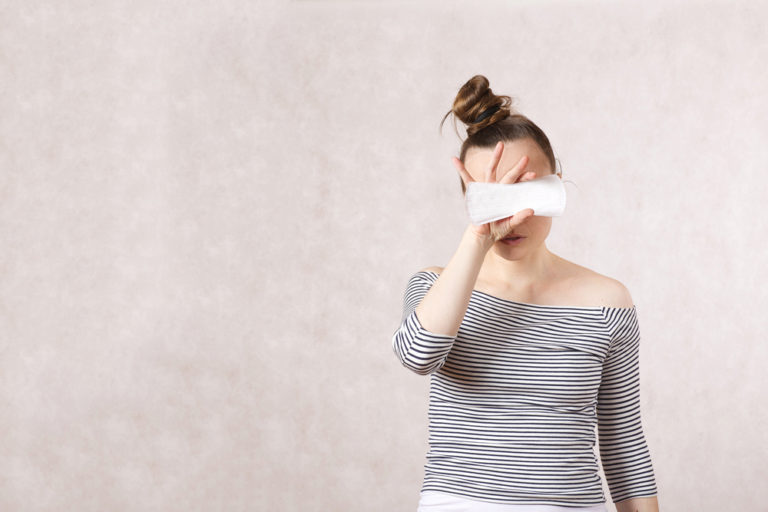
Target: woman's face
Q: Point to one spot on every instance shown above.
(535, 228)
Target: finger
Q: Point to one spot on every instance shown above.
(514, 173)
(490, 172)
(465, 176)
(502, 227)
(524, 214)
(510, 224)
(519, 218)
(528, 176)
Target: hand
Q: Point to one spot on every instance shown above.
(491, 232)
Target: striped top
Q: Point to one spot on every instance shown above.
(515, 397)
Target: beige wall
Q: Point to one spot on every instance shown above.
(209, 212)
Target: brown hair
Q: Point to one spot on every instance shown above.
(507, 125)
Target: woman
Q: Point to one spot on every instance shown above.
(527, 351)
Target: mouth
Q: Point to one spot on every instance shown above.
(512, 239)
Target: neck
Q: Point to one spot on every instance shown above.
(534, 267)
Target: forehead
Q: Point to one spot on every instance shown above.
(476, 160)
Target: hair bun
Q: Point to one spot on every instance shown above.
(477, 107)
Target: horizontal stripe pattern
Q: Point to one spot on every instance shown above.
(516, 395)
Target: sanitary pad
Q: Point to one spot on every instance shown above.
(487, 202)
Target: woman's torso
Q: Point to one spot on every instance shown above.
(570, 416)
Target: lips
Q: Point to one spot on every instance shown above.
(512, 237)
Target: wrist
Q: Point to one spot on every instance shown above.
(476, 241)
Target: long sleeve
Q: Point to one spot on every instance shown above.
(624, 452)
(417, 348)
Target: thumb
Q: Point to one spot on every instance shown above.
(510, 225)
(515, 220)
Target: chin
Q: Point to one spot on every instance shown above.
(509, 253)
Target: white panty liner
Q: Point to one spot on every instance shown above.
(487, 202)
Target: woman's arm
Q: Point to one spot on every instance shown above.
(624, 453)
(426, 333)
(433, 311)
(443, 308)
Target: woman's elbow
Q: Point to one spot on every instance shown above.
(413, 362)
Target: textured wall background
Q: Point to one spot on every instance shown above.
(209, 212)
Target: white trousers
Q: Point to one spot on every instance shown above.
(433, 501)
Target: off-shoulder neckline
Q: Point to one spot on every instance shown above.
(544, 306)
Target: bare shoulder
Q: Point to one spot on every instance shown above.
(596, 288)
(609, 292)
(585, 286)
